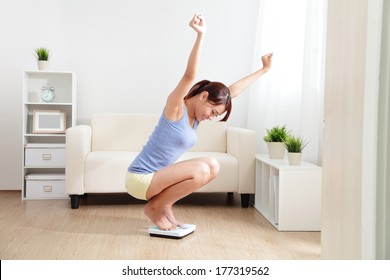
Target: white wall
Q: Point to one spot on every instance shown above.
(128, 55)
(14, 56)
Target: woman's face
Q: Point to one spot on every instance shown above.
(206, 110)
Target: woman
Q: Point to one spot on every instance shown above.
(153, 175)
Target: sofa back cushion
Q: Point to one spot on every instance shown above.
(211, 137)
(130, 132)
(121, 132)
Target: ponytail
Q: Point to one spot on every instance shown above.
(196, 89)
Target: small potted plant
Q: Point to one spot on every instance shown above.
(294, 146)
(275, 138)
(43, 56)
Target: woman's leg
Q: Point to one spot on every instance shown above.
(175, 182)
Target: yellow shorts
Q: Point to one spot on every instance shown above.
(137, 184)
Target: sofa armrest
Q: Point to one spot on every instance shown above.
(242, 144)
(78, 145)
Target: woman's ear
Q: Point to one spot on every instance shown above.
(203, 95)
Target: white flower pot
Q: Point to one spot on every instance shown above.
(276, 150)
(43, 65)
(294, 158)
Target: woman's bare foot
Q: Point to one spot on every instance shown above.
(158, 217)
(169, 214)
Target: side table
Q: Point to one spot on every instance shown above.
(289, 197)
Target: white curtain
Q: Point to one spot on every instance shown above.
(291, 93)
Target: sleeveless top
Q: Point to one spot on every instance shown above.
(169, 140)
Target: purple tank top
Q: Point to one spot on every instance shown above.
(169, 140)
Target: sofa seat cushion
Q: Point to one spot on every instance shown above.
(105, 171)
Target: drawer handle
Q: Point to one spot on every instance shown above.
(47, 188)
(46, 156)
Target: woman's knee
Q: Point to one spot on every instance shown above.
(214, 166)
(210, 167)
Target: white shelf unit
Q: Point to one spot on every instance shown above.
(46, 180)
(289, 197)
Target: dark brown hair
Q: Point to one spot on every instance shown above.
(218, 94)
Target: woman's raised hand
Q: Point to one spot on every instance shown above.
(198, 23)
(267, 61)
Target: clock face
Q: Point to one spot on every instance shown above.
(47, 94)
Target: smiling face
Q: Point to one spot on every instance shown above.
(205, 110)
(209, 99)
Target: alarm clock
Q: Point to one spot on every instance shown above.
(47, 93)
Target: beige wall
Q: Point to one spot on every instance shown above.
(350, 114)
(343, 114)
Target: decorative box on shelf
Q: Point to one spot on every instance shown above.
(45, 154)
(289, 197)
(42, 186)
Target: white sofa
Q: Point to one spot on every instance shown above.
(97, 155)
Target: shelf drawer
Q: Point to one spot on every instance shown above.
(45, 186)
(45, 156)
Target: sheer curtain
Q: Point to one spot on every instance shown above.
(291, 93)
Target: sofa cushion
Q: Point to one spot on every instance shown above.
(130, 132)
(105, 171)
(121, 132)
(211, 137)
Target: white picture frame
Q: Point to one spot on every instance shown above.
(49, 121)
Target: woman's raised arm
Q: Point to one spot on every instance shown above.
(173, 108)
(238, 87)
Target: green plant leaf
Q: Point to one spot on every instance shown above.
(276, 134)
(295, 144)
(42, 54)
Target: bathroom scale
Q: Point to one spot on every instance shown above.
(178, 233)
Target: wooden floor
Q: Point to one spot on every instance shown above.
(116, 228)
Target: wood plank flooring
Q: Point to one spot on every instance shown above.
(109, 227)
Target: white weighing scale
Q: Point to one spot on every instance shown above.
(178, 233)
